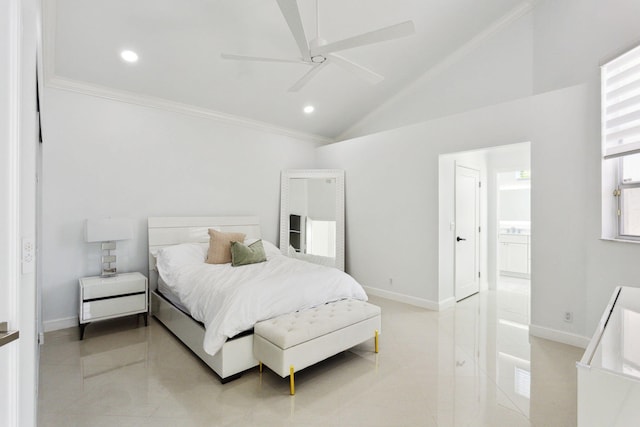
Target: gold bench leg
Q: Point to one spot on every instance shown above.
(376, 346)
(292, 384)
(260, 367)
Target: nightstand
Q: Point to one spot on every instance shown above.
(104, 298)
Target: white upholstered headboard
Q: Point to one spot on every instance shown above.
(166, 231)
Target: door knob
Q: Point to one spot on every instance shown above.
(6, 336)
(459, 238)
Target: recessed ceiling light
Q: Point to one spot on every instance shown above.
(308, 109)
(129, 56)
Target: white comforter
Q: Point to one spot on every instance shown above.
(230, 300)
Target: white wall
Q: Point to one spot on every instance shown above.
(495, 70)
(392, 187)
(559, 213)
(572, 38)
(107, 158)
(556, 50)
(393, 227)
(515, 204)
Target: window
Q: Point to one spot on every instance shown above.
(621, 146)
(629, 196)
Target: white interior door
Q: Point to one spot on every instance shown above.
(8, 209)
(467, 239)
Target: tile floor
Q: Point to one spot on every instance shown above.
(474, 365)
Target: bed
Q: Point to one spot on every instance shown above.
(227, 357)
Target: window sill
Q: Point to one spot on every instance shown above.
(613, 239)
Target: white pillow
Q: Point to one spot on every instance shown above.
(172, 257)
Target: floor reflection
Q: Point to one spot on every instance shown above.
(513, 353)
(472, 365)
(534, 377)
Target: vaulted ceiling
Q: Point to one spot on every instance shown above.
(179, 43)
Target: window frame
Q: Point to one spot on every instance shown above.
(621, 186)
(612, 157)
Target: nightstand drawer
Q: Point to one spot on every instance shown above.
(113, 307)
(96, 287)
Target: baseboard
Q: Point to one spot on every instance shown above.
(559, 336)
(446, 303)
(407, 299)
(54, 325)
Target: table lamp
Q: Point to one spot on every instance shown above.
(108, 231)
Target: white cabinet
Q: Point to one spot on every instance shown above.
(609, 371)
(514, 255)
(104, 298)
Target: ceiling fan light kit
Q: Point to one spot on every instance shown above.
(318, 53)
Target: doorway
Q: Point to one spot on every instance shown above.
(489, 162)
(467, 225)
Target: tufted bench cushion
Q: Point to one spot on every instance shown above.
(297, 340)
(295, 328)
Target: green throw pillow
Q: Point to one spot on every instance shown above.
(242, 254)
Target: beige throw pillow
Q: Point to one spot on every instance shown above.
(220, 246)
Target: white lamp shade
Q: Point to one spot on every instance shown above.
(107, 229)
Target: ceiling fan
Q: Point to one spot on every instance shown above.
(318, 53)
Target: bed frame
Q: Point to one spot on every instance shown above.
(236, 355)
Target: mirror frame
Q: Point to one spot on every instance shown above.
(336, 174)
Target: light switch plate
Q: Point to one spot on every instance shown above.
(28, 255)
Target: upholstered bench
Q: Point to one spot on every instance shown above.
(294, 341)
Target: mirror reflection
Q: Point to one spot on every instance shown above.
(311, 216)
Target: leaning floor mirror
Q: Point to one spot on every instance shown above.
(312, 216)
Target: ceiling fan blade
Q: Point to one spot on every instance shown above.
(291, 13)
(307, 77)
(383, 34)
(360, 71)
(259, 58)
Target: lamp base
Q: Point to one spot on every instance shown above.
(108, 260)
(109, 273)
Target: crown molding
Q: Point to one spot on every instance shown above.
(454, 57)
(57, 82)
